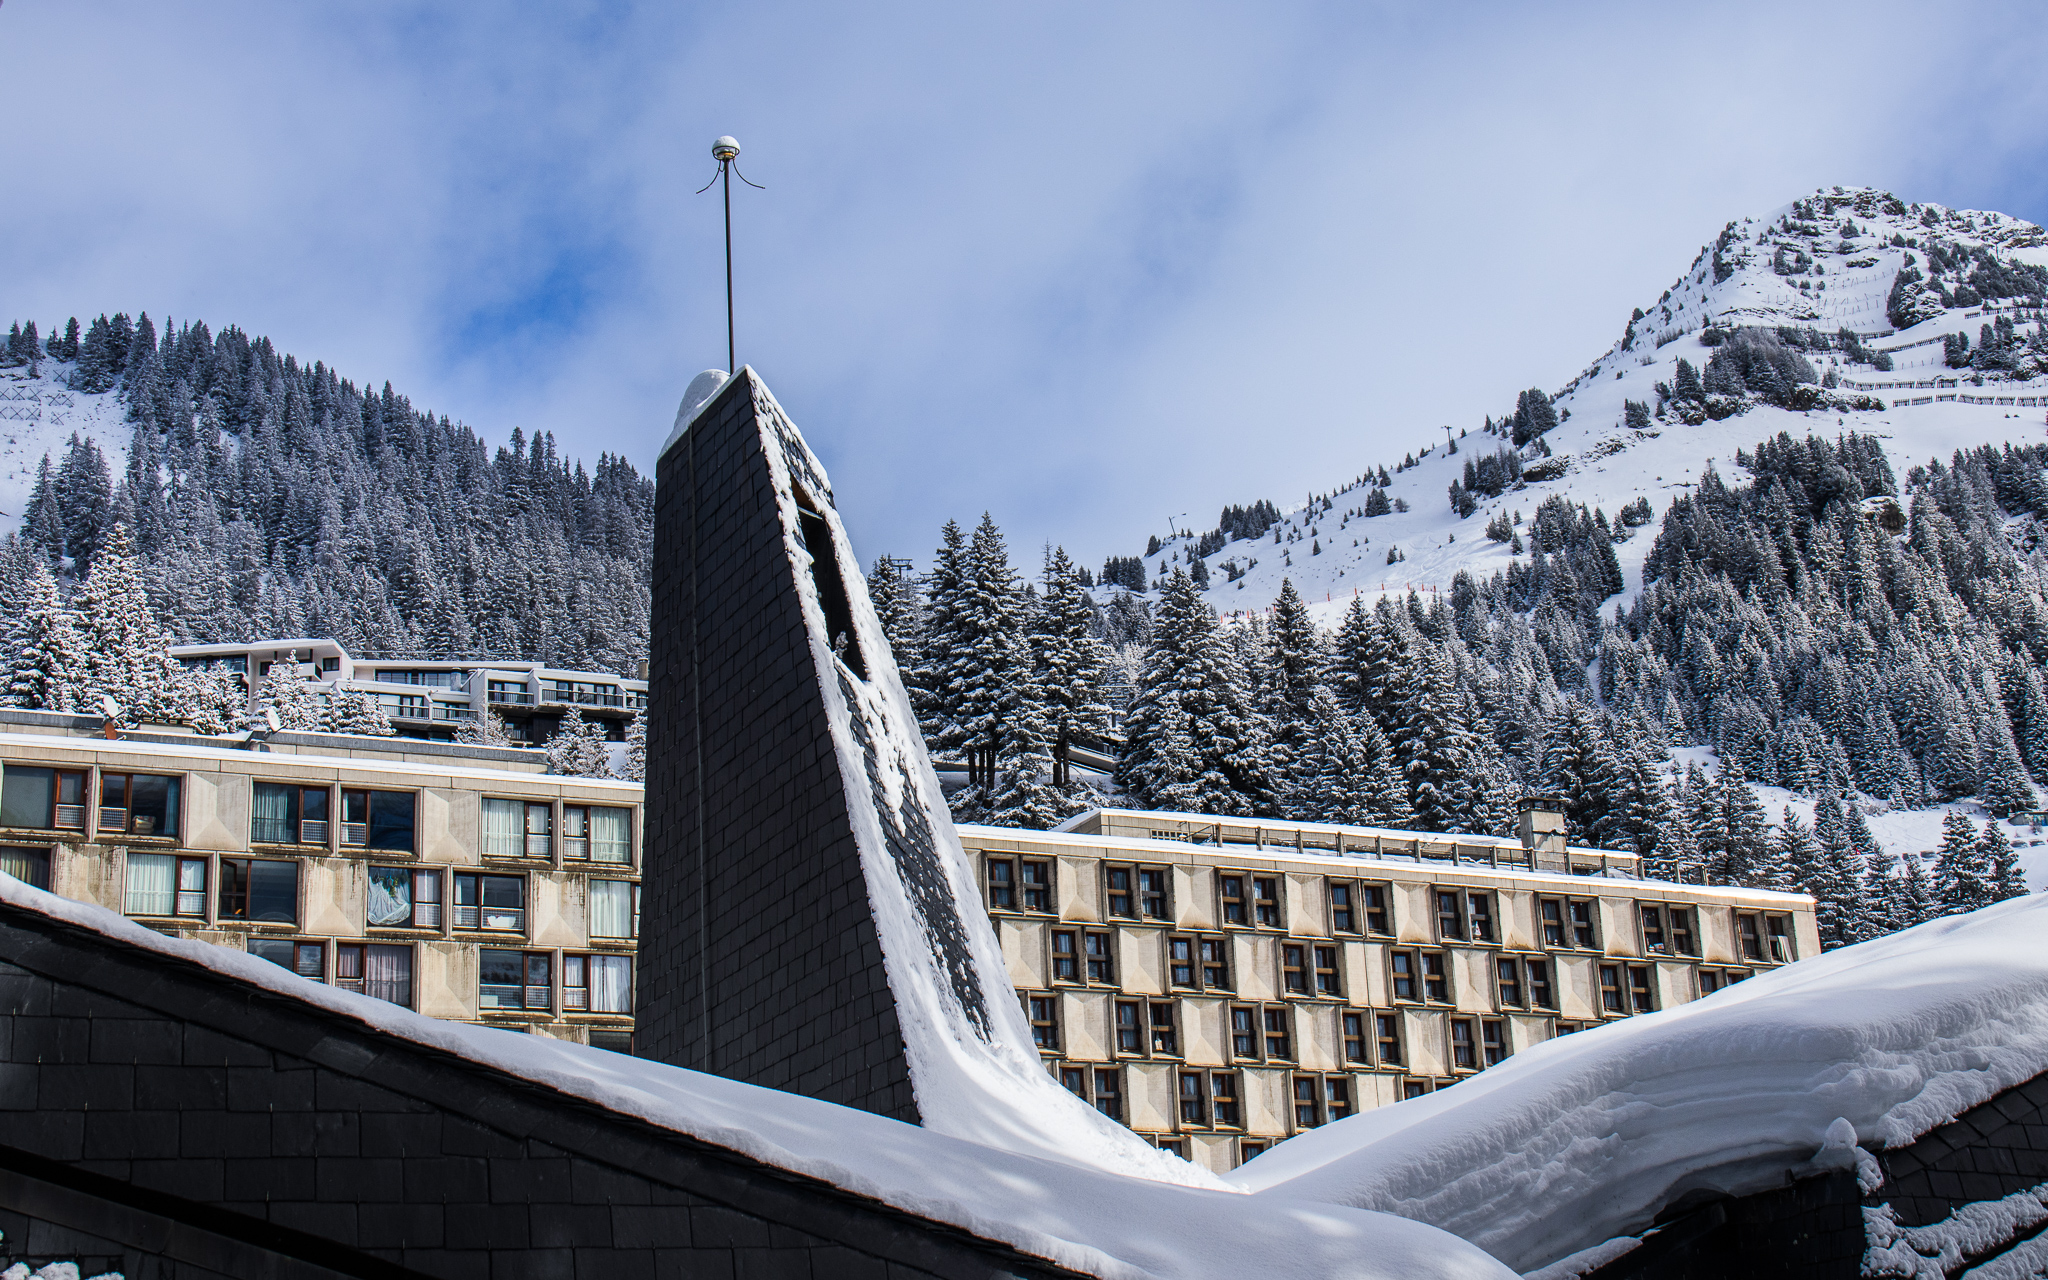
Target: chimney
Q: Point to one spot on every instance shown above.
(1540, 824)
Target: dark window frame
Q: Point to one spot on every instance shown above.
(235, 888)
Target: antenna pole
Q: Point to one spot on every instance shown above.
(725, 180)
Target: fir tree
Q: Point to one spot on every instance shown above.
(577, 748)
(1072, 666)
(47, 668)
(487, 730)
(1962, 875)
(1796, 864)
(127, 649)
(636, 748)
(298, 705)
(1579, 768)
(1996, 853)
(358, 712)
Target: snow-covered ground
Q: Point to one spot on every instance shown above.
(1584, 1138)
(38, 416)
(1101, 1223)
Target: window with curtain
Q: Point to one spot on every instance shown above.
(152, 884)
(611, 909)
(504, 830)
(611, 984)
(390, 898)
(26, 797)
(387, 974)
(30, 866)
(276, 819)
(611, 835)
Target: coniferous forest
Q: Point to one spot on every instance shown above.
(266, 497)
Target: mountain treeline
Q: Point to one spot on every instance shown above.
(266, 497)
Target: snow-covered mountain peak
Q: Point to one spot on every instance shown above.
(1848, 309)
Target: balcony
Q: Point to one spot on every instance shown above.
(585, 698)
(445, 711)
(514, 699)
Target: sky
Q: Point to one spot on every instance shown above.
(1090, 269)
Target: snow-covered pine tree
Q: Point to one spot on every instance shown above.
(1293, 662)
(1743, 831)
(1072, 666)
(488, 730)
(355, 711)
(211, 699)
(901, 612)
(46, 653)
(1440, 758)
(577, 748)
(1996, 852)
(127, 650)
(300, 706)
(1848, 907)
(1579, 768)
(1918, 901)
(1194, 739)
(635, 769)
(1796, 866)
(1962, 876)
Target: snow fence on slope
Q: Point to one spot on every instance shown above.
(1585, 1137)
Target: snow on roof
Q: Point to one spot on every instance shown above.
(1585, 1137)
(1101, 1223)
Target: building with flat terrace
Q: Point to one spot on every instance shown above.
(434, 698)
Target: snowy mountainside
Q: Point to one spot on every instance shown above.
(1751, 275)
(39, 413)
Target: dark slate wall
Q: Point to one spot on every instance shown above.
(199, 1127)
(1987, 1153)
(758, 953)
(1810, 1230)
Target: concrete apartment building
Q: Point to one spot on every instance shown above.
(432, 699)
(465, 883)
(1220, 984)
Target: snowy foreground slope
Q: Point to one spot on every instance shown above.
(38, 415)
(1103, 1224)
(1606, 465)
(1584, 1138)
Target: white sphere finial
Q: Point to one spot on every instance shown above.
(726, 148)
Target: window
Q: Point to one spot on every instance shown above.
(402, 898)
(1567, 922)
(1343, 911)
(377, 820)
(1244, 1033)
(1266, 901)
(432, 679)
(1683, 938)
(1021, 884)
(1326, 971)
(1249, 1149)
(1610, 989)
(1780, 929)
(514, 979)
(1294, 969)
(1749, 933)
(576, 832)
(1171, 1145)
(1117, 887)
(490, 902)
(307, 959)
(1099, 1086)
(1180, 960)
(42, 799)
(503, 833)
(138, 804)
(1279, 1044)
(1436, 984)
(1215, 963)
(1566, 1029)
(1406, 975)
(508, 691)
(539, 830)
(611, 1040)
(611, 835)
(1464, 1052)
(259, 889)
(1642, 999)
(1653, 931)
(1165, 1027)
(1413, 1089)
(1152, 892)
(1223, 1098)
(1372, 899)
(1101, 963)
(1194, 1098)
(1045, 1028)
(1450, 917)
(1387, 1030)
(1479, 913)
(380, 972)
(597, 984)
(1336, 1098)
(1493, 1041)
(1231, 889)
(614, 908)
(1308, 1112)
(1130, 1026)
(286, 813)
(1541, 993)
(1066, 962)
(1508, 975)
(30, 866)
(163, 884)
(1712, 980)
(404, 706)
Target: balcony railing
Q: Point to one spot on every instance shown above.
(515, 699)
(584, 698)
(442, 711)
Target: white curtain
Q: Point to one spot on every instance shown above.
(611, 835)
(150, 883)
(504, 828)
(611, 909)
(390, 896)
(389, 974)
(611, 984)
(274, 814)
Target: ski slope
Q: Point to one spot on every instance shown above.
(38, 416)
(1606, 465)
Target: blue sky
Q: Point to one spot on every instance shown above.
(1085, 267)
